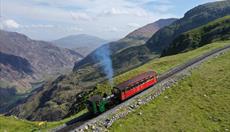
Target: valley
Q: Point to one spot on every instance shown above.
(161, 65)
(25, 62)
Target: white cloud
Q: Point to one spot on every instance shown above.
(115, 11)
(125, 11)
(10, 23)
(133, 25)
(80, 16)
(112, 29)
(163, 8)
(75, 29)
(37, 26)
(56, 18)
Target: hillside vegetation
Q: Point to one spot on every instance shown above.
(13, 124)
(160, 65)
(194, 18)
(61, 100)
(135, 38)
(198, 103)
(213, 31)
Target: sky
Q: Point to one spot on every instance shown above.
(108, 19)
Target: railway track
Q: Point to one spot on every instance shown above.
(80, 122)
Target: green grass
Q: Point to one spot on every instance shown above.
(216, 30)
(161, 65)
(11, 124)
(51, 125)
(199, 103)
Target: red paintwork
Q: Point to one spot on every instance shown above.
(123, 86)
(127, 94)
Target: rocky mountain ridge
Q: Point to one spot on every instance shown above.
(20, 54)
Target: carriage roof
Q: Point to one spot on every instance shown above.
(136, 79)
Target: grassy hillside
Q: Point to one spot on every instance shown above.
(12, 124)
(198, 103)
(194, 18)
(163, 64)
(63, 96)
(160, 65)
(211, 32)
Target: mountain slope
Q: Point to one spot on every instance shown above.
(135, 38)
(43, 56)
(16, 70)
(213, 31)
(148, 30)
(24, 61)
(82, 43)
(160, 65)
(66, 95)
(63, 96)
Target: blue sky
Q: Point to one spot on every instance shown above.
(108, 19)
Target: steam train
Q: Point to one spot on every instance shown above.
(97, 104)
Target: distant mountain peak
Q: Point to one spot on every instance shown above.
(148, 30)
(80, 35)
(135, 38)
(82, 43)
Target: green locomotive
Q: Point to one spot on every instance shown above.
(98, 104)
